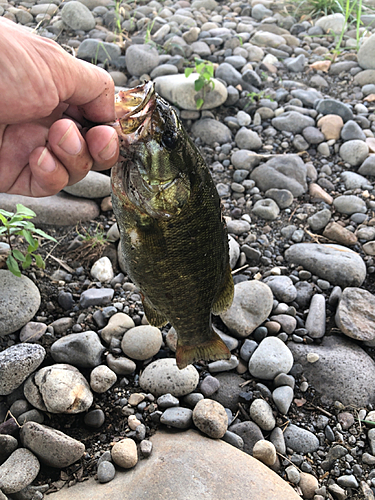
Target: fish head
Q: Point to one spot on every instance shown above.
(155, 171)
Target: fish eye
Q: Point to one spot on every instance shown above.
(169, 140)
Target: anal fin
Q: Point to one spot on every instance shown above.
(210, 350)
(154, 317)
(224, 296)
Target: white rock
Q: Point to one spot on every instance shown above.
(102, 270)
(270, 358)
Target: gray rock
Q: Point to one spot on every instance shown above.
(283, 397)
(229, 74)
(77, 16)
(95, 50)
(350, 204)
(233, 439)
(96, 297)
(223, 365)
(58, 389)
(343, 372)
(368, 166)
(167, 401)
(282, 287)
(287, 172)
(300, 440)
(337, 264)
(211, 131)
(141, 59)
(79, 349)
(333, 107)
(332, 23)
(245, 160)
(229, 391)
(251, 77)
(94, 418)
(267, 39)
(318, 221)
(32, 331)
(366, 53)
(176, 455)
(238, 226)
(250, 434)
(234, 252)
(58, 210)
(355, 314)
(316, 318)
(18, 471)
(106, 472)
(252, 303)
(7, 446)
(296, 64)
(313, 135)
(277, 439)
(181, 92)
(308, 97)
(142, 342)
(292, 121)
(354, 181)
(209, 386)
(354, 152)
(94, 185)
(247, 139)
(211, 418)
(352, 131)
(121, 365)
(163, 70)
(287, 322)
(179, 418)
(283, 197)
(162, 376)
(19, 301)
(266, 209)
(261, 414)
(102, 378)
(51, 446)
(271, 358)
(16, 364)
(260, 11)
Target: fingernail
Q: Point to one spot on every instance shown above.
(71, 142)
(46, 161)
(110, 150)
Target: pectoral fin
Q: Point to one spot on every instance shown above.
(154, 317)
(224, 297)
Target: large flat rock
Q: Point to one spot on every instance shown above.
(188, 466)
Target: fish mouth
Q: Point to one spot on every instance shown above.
(134, 109)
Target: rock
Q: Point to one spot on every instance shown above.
(365, 77)
(238, 226)
(229, 391)
(300, 440)
(97, 50)
(365, 53)
(337, 264)
(229, 74)
(210, 418)
(58, 210)
(283, 197)
(32, 331)
(179, 418)
(162, 376)
(121, 365)
(209, 386)
(77, 16)
(296, 64)
(316, 319)
(354, 152)
(261, 414)
(355, 314)
(234, 252)
(18, 471)
(333, 107)
(287, 322)
(94, 418)
(124, 453)
(94, 185)
(334, 23)
(308, 484)
(58, 389)
(252, 303)
(313, 135)
(106, 472)
(292, 121)
(335, 232)
(211, 131)
(286, 172)
(96, 297)
(181, 92)
(283, 397)
(331, 126)
(353, 180)
(319, 220)
(142, 342)
(222, 365)
(102, 270)
(117, 325)
(7, 446)
(250, 434)
(352, 131)
(79, 349)
(266, 39)
(270, 358)
(266, 209)
(245, 160)
(265, 452)
(102, 378)
(282, 287)
(141, 59)
(16, 364)
(350, 204)
(52, 447)
(343, 372)
(176, 455)
(19, 301)
(247, 139)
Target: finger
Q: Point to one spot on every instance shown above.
(68, 146)
(103, 145)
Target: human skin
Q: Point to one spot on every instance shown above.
(47, 98)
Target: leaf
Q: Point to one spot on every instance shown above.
(3, 219)
(321, 65)
(5, 213)
(3, 229)
(18, 255)
(45, 235)
(28, 237)
(21, 209)
(188, 71)
(199, 103)
(13, 266)
(27, 262)
(198, 84)
(39, 261)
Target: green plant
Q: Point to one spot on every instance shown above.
(256, 96)
(18, 224)
(205, 70)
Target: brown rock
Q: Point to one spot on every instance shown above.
(370, 141)
(106, 204)
(355, 314)
(168, 471)
(331, 126)
(265, 451)
(124, 453)
(308, 484)
(318, 193)
(335, 232)
(210, 417)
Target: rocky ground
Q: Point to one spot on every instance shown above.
(88, 388)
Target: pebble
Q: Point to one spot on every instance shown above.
(106, 472)
(141, 342)
(250, 434)
(17, 362)
(179, 418)
(308, 484)
(121, 365)
(94, 418)
(32, 332)
(282, 288)
(354, 152)
(18, 471)
(266, 209)
(7, 446)
(316, 319)
(79, 349)
(102, 270)
(355, 314)
(102, 379)
(209, 386)
(300, 440)
(51, 446)
(211, 131)
(124, 453)
(283, 397)
(96, 297)
(95, 184)
(117, 325)
(261, 414)
(162, 376)
(211, 418)
(265, 451)
(167, 401)
(270, 358)
(223, 365)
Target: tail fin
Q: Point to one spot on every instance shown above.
(208, 351)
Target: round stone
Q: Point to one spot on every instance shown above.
(141, 59)
(211, 418)
(142, 342)
(271, 358)
(18, 471)
(79, 349)
(354, 152)
(265, 451)
(102, 270)
(124, 453)
(106, 472)
(261, 414)
(102, 378)
(355, 314)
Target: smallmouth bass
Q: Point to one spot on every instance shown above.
(173, 238)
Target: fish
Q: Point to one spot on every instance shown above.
(173, 236)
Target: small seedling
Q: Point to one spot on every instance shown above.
(17, 224)
(205, 70)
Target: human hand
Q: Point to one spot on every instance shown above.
(46, 95)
